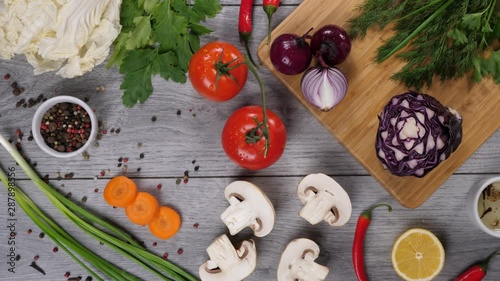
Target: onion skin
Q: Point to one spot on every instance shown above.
(290, 54)
(331, 45)
(416, 133)
(324, 87)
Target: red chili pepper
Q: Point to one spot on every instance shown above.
(270, 7)
(477, 271)
(358, 259)
(245, 24)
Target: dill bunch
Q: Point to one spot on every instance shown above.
(443, 39)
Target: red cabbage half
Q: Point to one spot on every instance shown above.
(416, 132)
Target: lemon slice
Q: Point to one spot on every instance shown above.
(417, 255)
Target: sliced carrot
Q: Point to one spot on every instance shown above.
(166, 223)
(143, 209)
(120, 191)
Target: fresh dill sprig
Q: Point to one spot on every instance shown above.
(443, 39)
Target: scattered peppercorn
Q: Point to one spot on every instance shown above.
(89, 278)
(103, 173)
(84, 199)
(55, 250)
(165, 256)
(6, 76)
(153, 119)
(118, 130)
(139, 145)
(18, 257)
(104, 131)
(119, 165)
(120, 159)
(41, 235)
(125, 160)
(139, 169)
(196, 225)
(29, 231)
(178, 181)
(36, 257)
(66, 274)
(69, 175)
(178, 112)
(141, 155)
(196, 168)
(193, 162)
(180, 251)
(159, 186)
(96, 190)
(112, 130)
(155, 244)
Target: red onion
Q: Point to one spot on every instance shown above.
(324, 87)
(291, 54)
(331, 45)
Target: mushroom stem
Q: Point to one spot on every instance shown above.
(318, 208)
(238, 216)
(309, 270)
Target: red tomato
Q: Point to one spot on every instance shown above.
(251, 155)
(217, 71)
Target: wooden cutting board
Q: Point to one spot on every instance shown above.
(354, 121)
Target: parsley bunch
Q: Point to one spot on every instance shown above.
(446, 39)
(158, 37)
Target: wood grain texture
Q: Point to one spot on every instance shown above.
(171, 144)
(354, 121)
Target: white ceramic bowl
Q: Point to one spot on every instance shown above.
(48, 104)
(471, 205)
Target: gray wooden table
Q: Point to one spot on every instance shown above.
(190, 142)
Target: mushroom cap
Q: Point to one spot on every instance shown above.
(235, 264)
(297, 250)
(317, 184)
(258, 200)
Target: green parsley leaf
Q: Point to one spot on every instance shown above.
(472, 21)
(158, 37)
(137, 81)
(458, 36)
(140, 35)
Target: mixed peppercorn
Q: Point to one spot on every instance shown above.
(65, 127)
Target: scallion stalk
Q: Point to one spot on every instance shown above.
(112, 236)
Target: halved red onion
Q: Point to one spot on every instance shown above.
(324, 87)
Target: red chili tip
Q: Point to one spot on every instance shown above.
(165, 256)
(180, 251)
(7, 76)
(36, 257)
(55, 250)
(159, 186)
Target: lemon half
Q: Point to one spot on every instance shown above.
(417, 255)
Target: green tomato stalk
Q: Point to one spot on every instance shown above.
(114, 237)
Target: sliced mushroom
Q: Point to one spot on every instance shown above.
(227, 263)
(297, 262)
(249, 206)
(324, 199)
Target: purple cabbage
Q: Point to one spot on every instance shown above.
(416, 132)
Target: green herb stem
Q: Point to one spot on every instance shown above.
(415, 33)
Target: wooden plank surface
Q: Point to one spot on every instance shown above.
(173, 142)
(354, 121)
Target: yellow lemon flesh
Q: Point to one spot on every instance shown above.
(417, 255)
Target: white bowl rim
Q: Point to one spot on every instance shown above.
(37, 118)
(478, 191)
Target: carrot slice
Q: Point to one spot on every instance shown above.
(166, 223)
(143, 209)
(120, 191)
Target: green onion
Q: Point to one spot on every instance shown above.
(107, 233)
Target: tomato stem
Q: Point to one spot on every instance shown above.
(224, 68)
(263, 126)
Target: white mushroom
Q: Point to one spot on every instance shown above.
(297, 262)
(324, 199)
(249, 206)
(227, 263)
